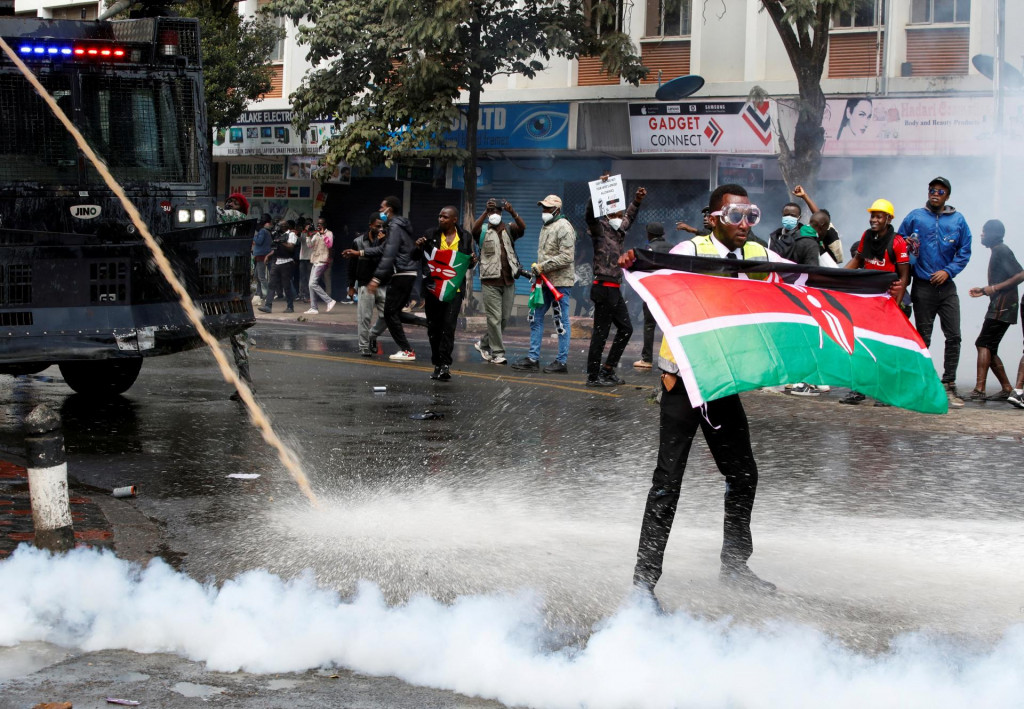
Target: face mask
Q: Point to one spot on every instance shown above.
(383, 217)
(546, 217)
(494, 219)
(789, 223)
(615, 222)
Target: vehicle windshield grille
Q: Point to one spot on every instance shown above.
(144, 128)
(34, 146)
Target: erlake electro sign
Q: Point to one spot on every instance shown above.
(698, 127)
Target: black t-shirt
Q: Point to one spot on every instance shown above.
(1001, 266)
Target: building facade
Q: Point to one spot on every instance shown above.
(906, 103)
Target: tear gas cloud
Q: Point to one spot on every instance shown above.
(493, 646)
(979, 193)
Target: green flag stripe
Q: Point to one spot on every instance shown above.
(769, 353)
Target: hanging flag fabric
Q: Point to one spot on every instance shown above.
(447, 272)
(733, 334)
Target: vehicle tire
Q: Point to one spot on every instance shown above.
(104, 377)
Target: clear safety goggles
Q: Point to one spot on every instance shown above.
(736, 214)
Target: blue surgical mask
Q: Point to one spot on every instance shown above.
(789, 222)
(383, 217)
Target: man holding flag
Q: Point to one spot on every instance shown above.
(769, 321)
(449, 253)
(723, 422)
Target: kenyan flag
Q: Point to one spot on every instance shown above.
(447, 271)
(730, 335)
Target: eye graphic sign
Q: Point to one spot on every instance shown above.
(703, 127)
(517, 126)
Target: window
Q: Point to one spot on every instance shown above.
(606, 15)
(668, 18)
(933, 11)
(866, 13)
(34, 146)
(144, 128)
(277, 55)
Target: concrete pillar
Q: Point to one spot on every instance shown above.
(48, 480)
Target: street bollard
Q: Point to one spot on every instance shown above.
(48, 480)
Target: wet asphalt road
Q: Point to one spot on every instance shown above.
(872, 521)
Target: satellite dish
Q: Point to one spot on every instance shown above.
(680, 87)
(986, 65)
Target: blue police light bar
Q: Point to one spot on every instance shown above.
(62, 50)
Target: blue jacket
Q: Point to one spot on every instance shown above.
(261, 242)
(945, 241)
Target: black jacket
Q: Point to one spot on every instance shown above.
(794, 246)
(659, 244)
(399, 253)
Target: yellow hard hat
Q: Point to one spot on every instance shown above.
(883, 205)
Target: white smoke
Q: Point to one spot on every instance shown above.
(493, 646)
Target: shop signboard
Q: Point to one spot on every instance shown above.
(517, 126)
(266, 186)
(703, 128)
(748, 172)
(935, 126)
(270, 133)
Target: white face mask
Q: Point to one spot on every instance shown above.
(546, 217)
(494, 219)
(615, 222)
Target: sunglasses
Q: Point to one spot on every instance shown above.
(937, 190)
(736, 214)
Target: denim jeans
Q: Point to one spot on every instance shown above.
(315, 291)
(262, 277)
(537, 326)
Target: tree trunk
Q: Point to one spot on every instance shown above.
(469, 171)
(801, 161)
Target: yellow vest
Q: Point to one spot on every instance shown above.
(752, 251)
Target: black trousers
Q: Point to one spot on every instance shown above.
(397, 297)
(442, 319)
(281, 282)
(609, 309)
(728, 438)
(929, 301)
(647, 353)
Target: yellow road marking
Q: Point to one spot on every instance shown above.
(413, 368)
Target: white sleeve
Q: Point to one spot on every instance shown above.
(686, 248)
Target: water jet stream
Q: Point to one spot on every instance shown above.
(256, 414)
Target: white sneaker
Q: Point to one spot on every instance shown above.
(804, 390)
(824, 388)
(403, 356)
(642, 364)
(330, 306)
(500, 359)
(485, 353)
(312, 311)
